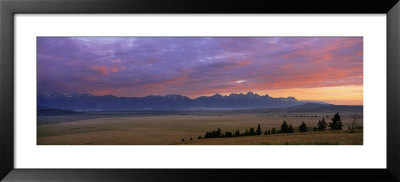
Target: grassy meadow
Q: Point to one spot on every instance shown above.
(171, 128)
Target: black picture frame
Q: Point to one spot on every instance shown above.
(8, 8)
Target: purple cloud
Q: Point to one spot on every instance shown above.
(194, 66)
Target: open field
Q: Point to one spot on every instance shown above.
(164, 129)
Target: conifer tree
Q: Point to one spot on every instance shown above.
(258, 131)
(290, 129)
(252, 132)
(303, 127)
(322, 124)
(284, 127)
(336, 122)
(237, 133)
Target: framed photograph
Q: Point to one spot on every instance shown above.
(128, 90)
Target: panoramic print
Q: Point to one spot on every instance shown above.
(199, 91)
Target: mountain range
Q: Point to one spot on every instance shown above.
(249, 100)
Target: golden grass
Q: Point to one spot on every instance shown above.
(165, 130)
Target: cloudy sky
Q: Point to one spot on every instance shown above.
(326, 69)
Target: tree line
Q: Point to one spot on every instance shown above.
(322, 125)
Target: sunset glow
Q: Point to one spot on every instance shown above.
(328, 69)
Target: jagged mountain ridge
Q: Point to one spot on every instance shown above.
(167, 102)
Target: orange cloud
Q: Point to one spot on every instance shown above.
(245, 62)
(101, 69)
(114, 70)
(178, 80)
